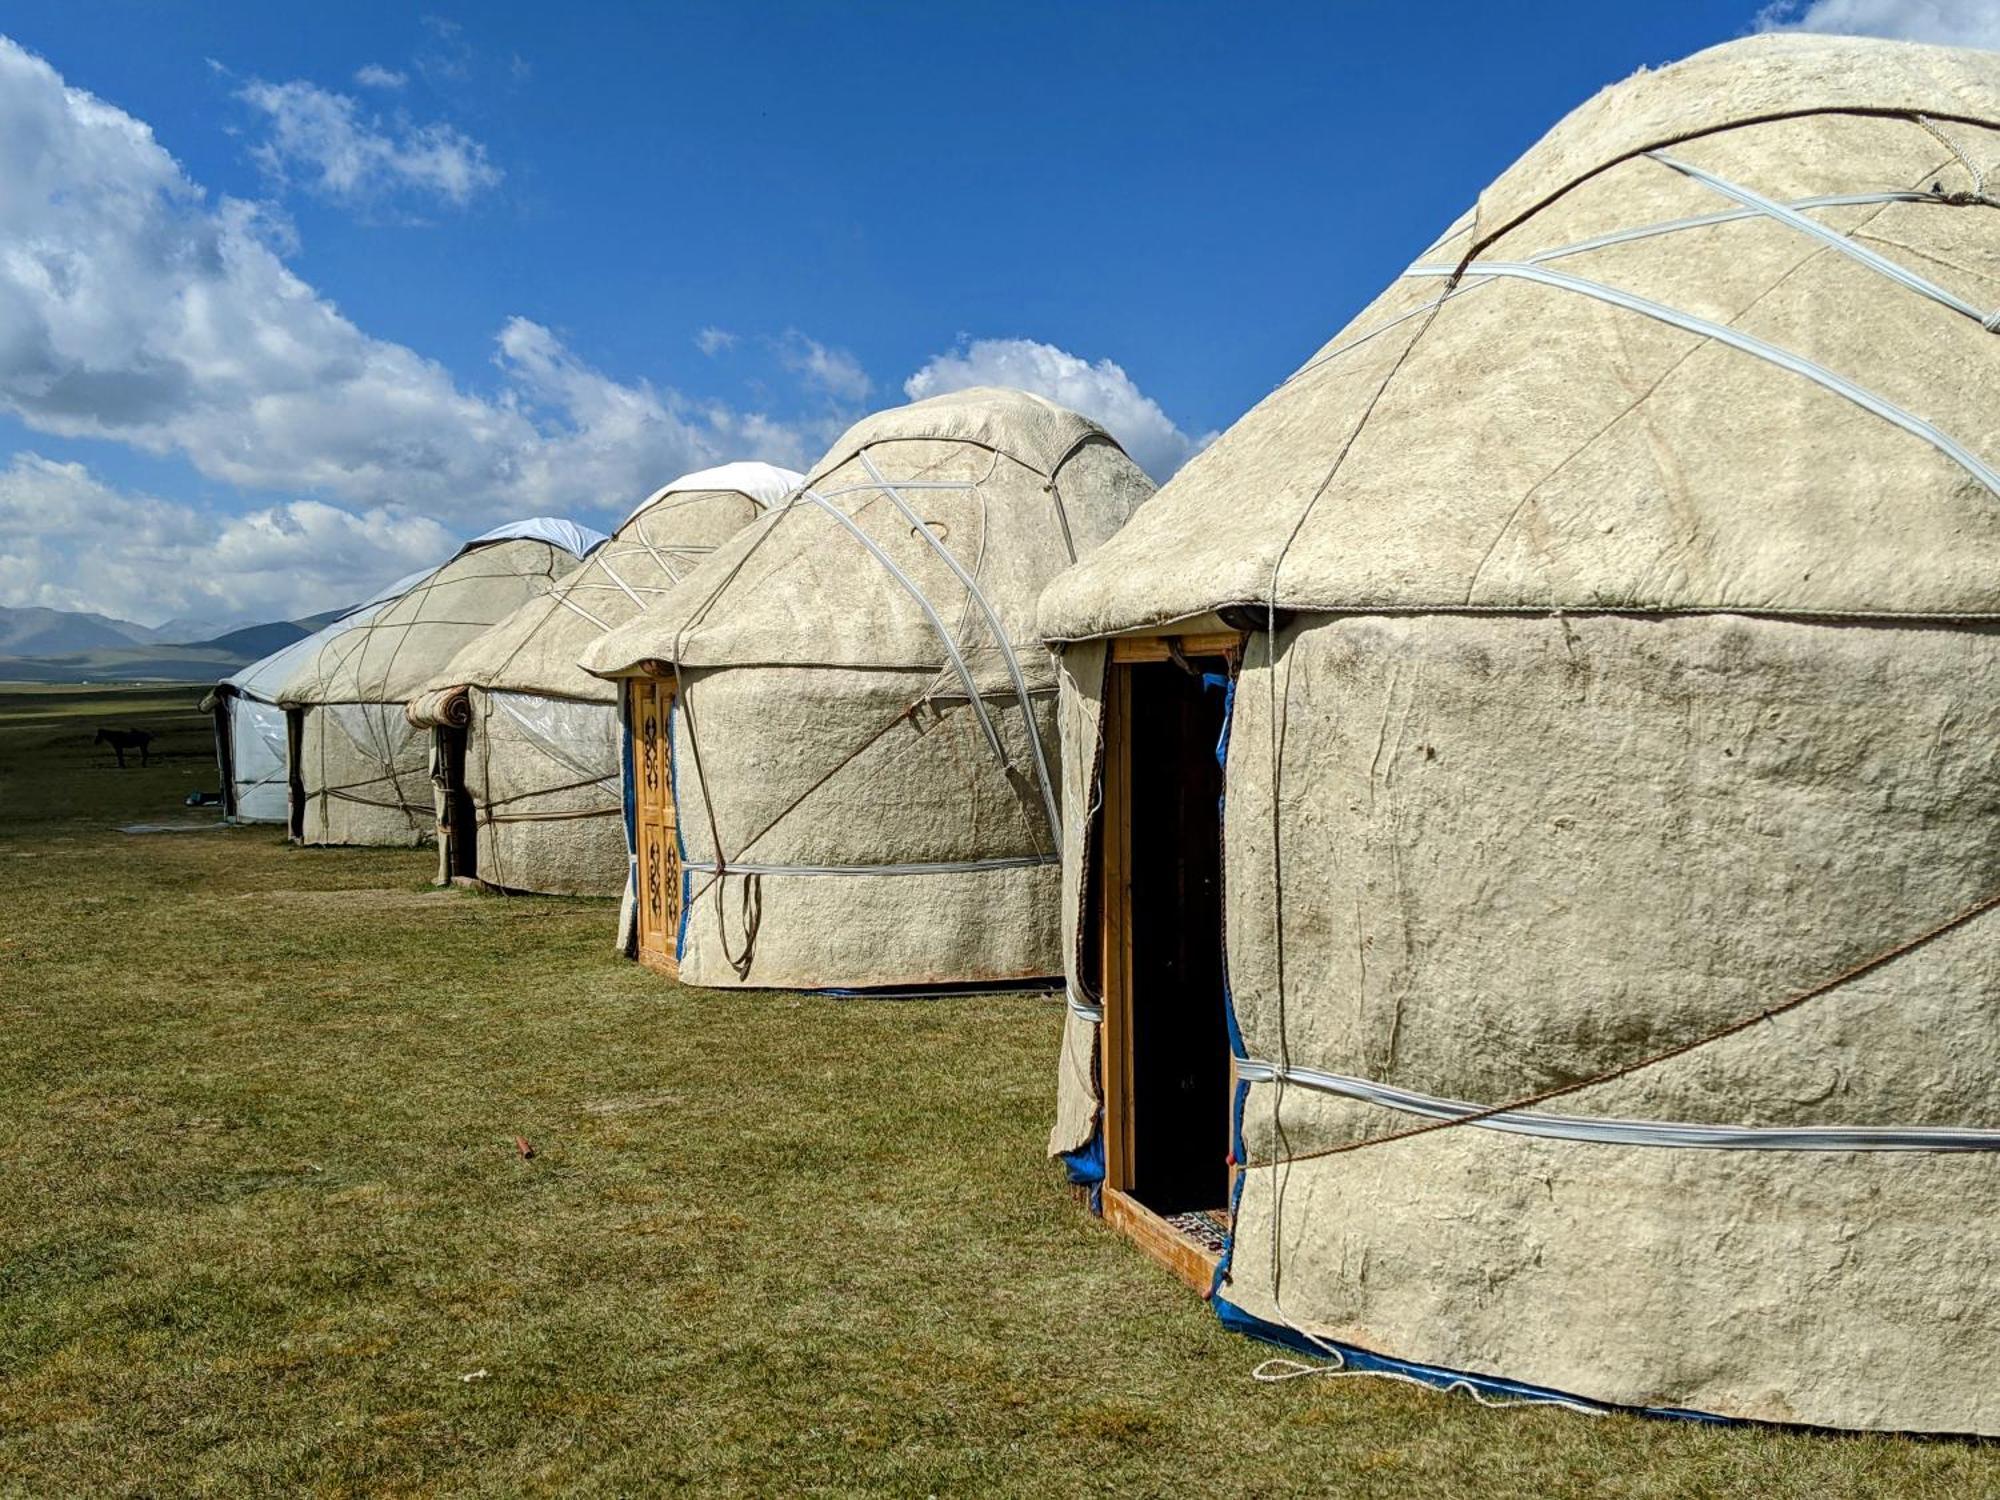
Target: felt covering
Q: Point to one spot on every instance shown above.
(1635, 672)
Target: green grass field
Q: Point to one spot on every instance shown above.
(264, 1225)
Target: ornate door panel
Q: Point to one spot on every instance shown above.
(659, 863)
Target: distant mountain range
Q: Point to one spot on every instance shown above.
(61, 645)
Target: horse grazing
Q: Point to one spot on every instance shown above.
(121, 740)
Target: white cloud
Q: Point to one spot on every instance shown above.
(1953, 23)
(69, 541)
(600, 434)
(833, 371)
(375, 76)
(322, 140)
(135, 308)
(1102, 391)
(713, 341)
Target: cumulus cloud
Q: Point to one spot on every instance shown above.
(1953, 23)
(597, 434)
(375, 76)
(1101, 391)
(324, 142)
(834, 371)
(135, 308)
(714, 341)
(70, 541)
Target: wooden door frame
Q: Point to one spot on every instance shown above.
(1151, 1232)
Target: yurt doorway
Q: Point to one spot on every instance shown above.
(225, 753)
(1165, 1051)
(295, 781)
(460, 833)
(649, 706)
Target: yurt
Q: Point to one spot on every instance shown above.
(359, 773)
(526, 745)
(251, 750)
(1533, 784)
(841, 751)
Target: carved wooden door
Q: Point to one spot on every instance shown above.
(659, 864)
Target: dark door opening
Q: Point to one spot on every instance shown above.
(461, 816)
(1165, 1044)
(1180, 1040)
(295, 734)
(225, 752)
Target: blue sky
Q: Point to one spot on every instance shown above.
(382, 276)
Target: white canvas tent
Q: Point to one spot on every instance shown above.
(842, 761)
(1587, 967)
(360, 774)
(527, 748)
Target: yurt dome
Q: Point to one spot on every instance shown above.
(527, 754)
(842, 756)
(1587, 935)
(360, 773)
(250, 744)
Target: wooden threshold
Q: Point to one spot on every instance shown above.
(659, 963)
(1160, 1240)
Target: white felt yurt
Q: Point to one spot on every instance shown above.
(250, 737)
(527, 747)
(1580, 972)
(842, 764)
(360, 774)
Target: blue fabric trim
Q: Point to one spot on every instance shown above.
(1236, 1155)
(628, 791)
(1236, 1320)
(1237, 1150)
(1085, 1165)
(680, 844)
(1228, 686)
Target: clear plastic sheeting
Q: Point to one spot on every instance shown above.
(582, 738)
(258, 763)
(542, 777)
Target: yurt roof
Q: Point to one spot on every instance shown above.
(264, 678)
(557, 531)
(843, 576)
(385, 652)
(1032, 430)
(1723, 340)
(766, 484)
(535, 649)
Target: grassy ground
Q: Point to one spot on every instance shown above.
(264, 1225)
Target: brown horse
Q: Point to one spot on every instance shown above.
(121, 740)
